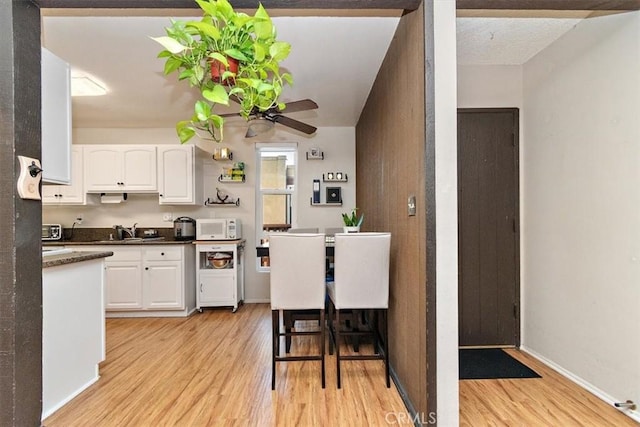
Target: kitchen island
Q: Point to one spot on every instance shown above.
(73, 324)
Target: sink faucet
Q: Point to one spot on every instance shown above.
(131, 231)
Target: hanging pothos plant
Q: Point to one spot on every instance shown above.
(206, 53)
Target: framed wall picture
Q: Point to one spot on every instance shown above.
(334, 195)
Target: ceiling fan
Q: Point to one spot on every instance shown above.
(262, 121)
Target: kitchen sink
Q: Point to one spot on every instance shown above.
(132, 240)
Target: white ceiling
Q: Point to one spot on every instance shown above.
(334, 61)
(506, 41)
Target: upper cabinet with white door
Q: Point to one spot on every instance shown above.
(179, 175)
(72, 194)
(120, 168)
(56, 119)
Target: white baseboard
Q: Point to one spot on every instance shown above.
(257, 301)
(63, 402)
(635, 415)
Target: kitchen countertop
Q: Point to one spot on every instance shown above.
(145, 242)
(73, 257)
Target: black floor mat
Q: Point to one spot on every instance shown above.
(491, 363)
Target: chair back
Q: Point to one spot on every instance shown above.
(297, 271)
(303, 230)
(361, 270)
(332, 231)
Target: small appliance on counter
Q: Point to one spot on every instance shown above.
(218, 229)
(184, 228)
(51, 232)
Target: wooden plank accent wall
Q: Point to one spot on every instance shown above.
(390, 166)
(20, 262)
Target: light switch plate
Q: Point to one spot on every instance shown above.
(29, 178)
(411, 206)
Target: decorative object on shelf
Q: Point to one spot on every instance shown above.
(316, 191)
(334, 195)
(222, 199)
(352, 221)
(315, 154)
(222, 154)
(233, 174)
(334, 177)
(202, 52)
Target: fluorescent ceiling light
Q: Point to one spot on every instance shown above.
(82, 85)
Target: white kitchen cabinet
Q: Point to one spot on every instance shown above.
(162, 279)
(56, 119)
(223, 286)
(123, 290)
(123, 273)
(148, 280)
(120, 168)
(72, 194)
(179, 175)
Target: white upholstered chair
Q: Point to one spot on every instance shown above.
(361, 282)
(297, 283)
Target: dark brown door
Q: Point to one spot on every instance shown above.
(488, 243)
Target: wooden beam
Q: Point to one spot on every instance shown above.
(238, 4)
(549, 4)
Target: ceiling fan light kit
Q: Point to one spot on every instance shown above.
(203, 54)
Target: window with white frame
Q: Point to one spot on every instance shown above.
(275, 188)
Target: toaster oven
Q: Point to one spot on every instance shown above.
(51, 232)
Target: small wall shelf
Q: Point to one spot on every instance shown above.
(324, 204)
(315, 155)
(238, 179)
(230, 204)
(222, 154)
(328, 178)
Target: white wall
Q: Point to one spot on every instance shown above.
(444, 17)
(581, 205)
(337, 143)
(489, 86)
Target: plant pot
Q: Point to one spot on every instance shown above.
(218, 69)
(351, 229)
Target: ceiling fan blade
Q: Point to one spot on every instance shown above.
(294, 124)
(302, 105)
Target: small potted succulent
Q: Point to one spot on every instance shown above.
(352, 221)
(226, 55)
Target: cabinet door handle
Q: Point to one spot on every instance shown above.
(200, 287)
(162, 253)
(146, 268)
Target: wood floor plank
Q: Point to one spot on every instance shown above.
(552, 400)
(214, 369)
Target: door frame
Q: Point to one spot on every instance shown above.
(516, 160)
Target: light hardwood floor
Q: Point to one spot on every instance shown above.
(214, 369)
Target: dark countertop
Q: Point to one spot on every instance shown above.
(118, 242)
(73, 257)
(100, 236)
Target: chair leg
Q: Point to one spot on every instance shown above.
(385, 332)
(322, 328)
(288, 326)
(275, 337)
(330, 326)
(337, 343)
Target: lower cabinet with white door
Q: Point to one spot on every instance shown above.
(148, 280)
(220, 274)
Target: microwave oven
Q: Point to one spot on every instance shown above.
(218, 229)
(51, 231)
